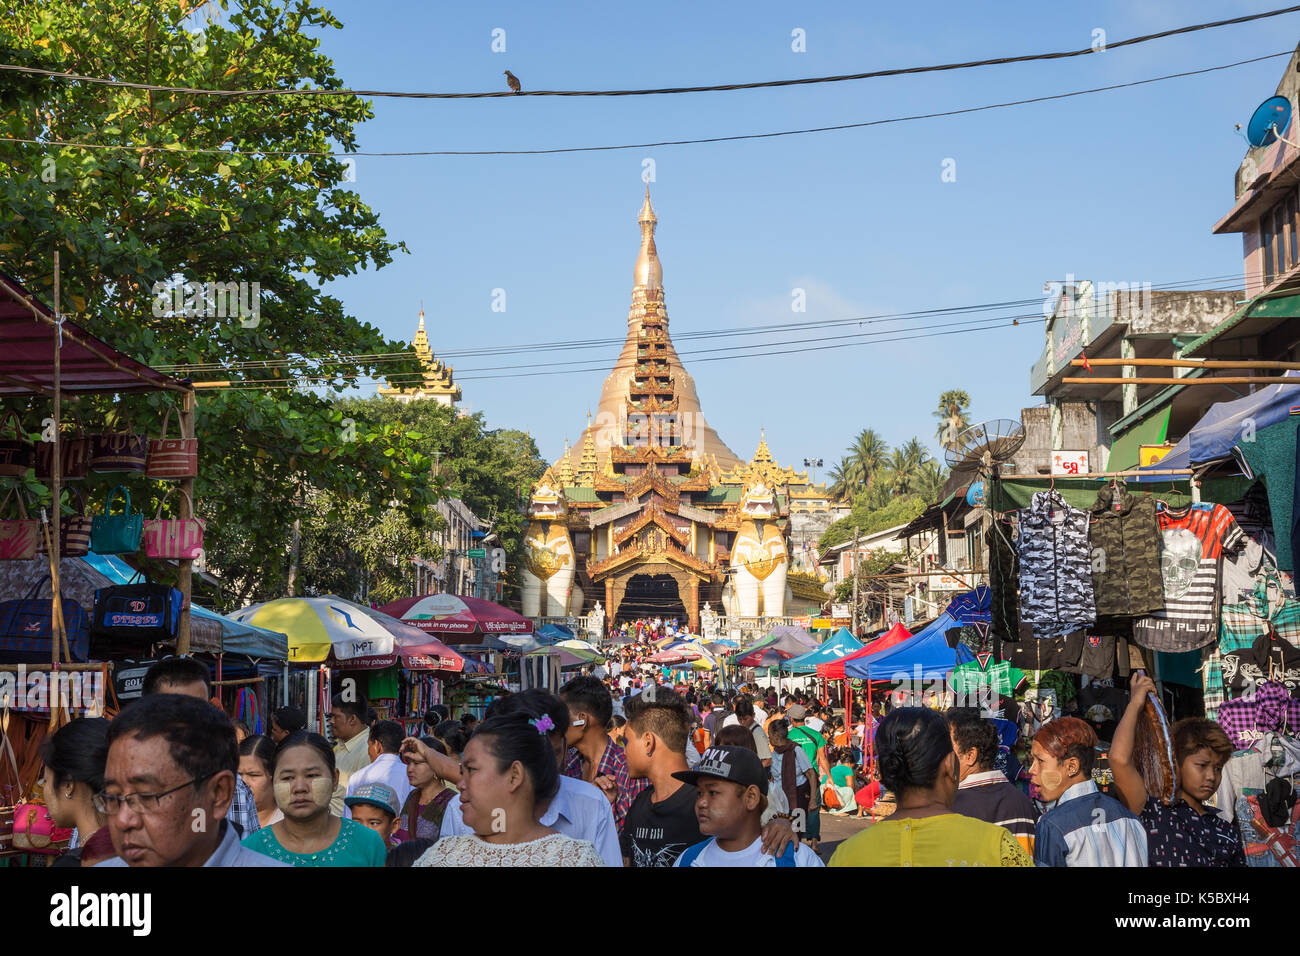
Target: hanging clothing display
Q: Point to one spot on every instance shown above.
(1273, 456)
(1271, 709)
(1193, 539)
(1268, 658)
(1267, 845)
(986, 676)
(1266, 610)
(1052, 654)
(1056, 593)
(1125, 535)
(1004, 584)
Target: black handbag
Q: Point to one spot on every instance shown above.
(140, 613)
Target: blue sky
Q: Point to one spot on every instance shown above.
(1118, 186)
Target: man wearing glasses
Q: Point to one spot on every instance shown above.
(168, 785)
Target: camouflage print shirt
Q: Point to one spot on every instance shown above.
(1126, 554)
(1056, 595)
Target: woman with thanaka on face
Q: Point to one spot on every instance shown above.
(426, 804)
(508, 772)
(918, 765)
(74, 759)
(1186, 832)
(1081, 825)
(303, 779)
(256, 757)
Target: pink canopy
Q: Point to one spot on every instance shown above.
(460, 617)
(429, 654)
(834, 670)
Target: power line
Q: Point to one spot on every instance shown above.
(181, 150)
(725, 87)
(532, 348)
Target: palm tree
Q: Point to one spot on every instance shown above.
(930, 481)
(839, 475)
(951, 413)
(868, 454)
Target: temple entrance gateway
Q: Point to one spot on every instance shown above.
(652, 596)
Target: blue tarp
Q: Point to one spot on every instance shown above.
(926, 656)
(552, 634)
(1225, 424)
(839, 645)
(236, 638)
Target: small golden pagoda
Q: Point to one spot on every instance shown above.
(436, 384)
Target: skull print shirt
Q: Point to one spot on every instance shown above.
(1056, 594)
(1192, 544)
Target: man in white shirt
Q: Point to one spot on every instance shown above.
(760, 715)
(352, 752)
(814, 719)
(385, 765)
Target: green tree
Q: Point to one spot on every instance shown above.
(134, 222)
(839, 483)
(905, 466)
(900, 509)
(930, 482)
(951, 413)
(867, 455)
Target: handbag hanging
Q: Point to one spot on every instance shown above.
(18, 536)
(118, 451)
(74, 531)
(73, 452)
(180, 538)
(173, 457)
(27, 628)
(141, 613)
(116, 534)
(34, 830)
(17, 454)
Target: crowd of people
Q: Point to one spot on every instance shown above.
(615, 772)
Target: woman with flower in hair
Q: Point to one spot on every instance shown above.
(918, 764)
(508, 769)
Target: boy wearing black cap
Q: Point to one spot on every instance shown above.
(732, 793)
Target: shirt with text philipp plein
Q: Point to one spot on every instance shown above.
(1193, 542)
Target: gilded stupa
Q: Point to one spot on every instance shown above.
(436, 380)
(649, 512)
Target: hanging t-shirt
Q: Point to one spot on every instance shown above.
(655, 834)
(1193, 542)
(983, 678)
(1268, 658)
(1053, 654)
(1056, 595)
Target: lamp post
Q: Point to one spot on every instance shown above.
(814, 464)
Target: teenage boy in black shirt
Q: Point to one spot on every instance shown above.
(661, 821)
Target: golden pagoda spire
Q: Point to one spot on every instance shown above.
(762, 454)
(564, 467)
(649, 274)
(587, 465)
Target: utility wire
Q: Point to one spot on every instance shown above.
(533, 348)
(725, 87)
(183, 150)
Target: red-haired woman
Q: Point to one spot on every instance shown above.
(1187, 832)
(1082, 826)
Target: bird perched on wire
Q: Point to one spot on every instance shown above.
(513, 82)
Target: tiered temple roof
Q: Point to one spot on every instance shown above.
(436, 382)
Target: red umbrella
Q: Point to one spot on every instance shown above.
(429, 655)
(762, 657)
(463, 618)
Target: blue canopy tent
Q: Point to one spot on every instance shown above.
(551, 633)
(837, 646)
(1222, 427)
(926, 654)
(236, 638)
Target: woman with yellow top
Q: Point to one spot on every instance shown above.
(918, 765)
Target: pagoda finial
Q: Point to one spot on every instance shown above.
(649, 273)
(421, 315)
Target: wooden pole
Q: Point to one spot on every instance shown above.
(1185, 363)
(57, 637)
(854, 565)
(184, 567)
(1207, 380)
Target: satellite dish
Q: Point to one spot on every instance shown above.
(983, 446)
(1269, 121)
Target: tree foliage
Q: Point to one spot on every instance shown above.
(899, 510)
(128, 219)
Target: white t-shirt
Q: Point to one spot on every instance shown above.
(760, 718)
(816, 723)
(752, 855)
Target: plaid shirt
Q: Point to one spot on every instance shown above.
(1240, 625)
(1272, 709)
(612, 765)
(243, 810)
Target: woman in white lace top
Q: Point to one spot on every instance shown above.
(507, 769)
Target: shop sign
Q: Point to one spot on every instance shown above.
(1069, 463)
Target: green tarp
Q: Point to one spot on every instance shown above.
(1015, 493)
(1149, 431)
